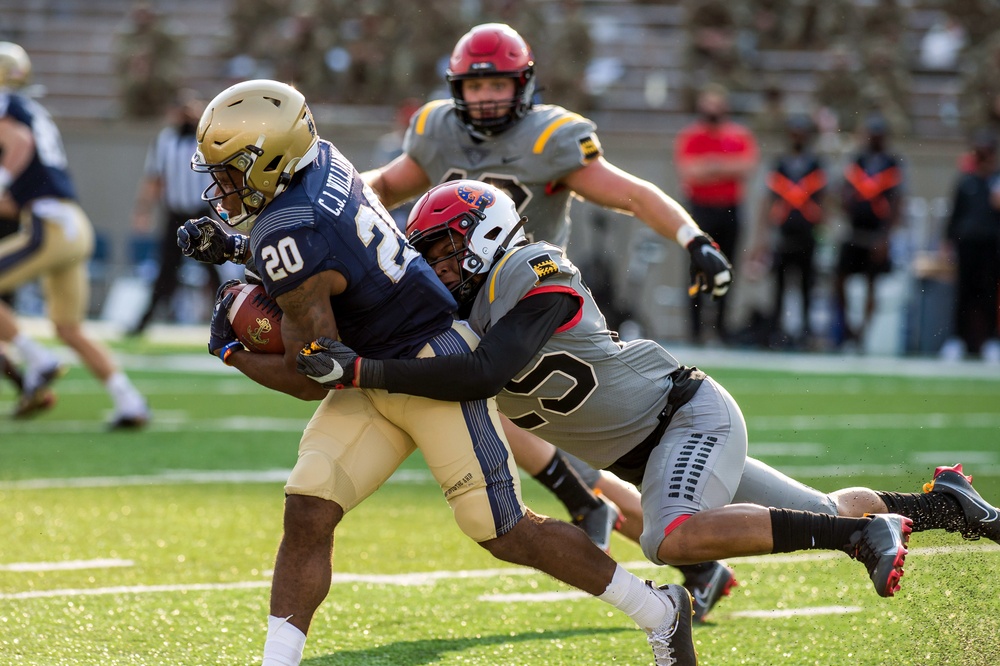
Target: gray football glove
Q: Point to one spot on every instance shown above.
(330, 363)
(710, 269)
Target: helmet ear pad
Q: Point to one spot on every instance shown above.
(485, 218)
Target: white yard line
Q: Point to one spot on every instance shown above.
(179, 477)
(68, 565)
(427, 578)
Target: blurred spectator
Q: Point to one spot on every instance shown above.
(978, 18)
(767, 23)
(148, 57)
(712, 54)
(886, 91)
(172, 187)
(568, 48)
(882, 24)
(871, 195)
(972, 241)
(816, 24)
(838, 91)
(715, 157)
(941, 44)
(789, 223)
(302, 42)
(770, 121)
(980, 87)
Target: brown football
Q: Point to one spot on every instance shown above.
(256, 319)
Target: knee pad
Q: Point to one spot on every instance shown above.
(474, 516)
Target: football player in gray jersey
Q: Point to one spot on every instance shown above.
(631, 407)
(540, 156)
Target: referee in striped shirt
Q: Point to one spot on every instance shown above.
(170, 183)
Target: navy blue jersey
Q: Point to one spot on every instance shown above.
(328, 219)
(46, 174)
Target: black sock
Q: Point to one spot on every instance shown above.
(567, 485)
(802, 530)
(928, 511)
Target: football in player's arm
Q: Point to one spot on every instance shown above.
(335, 262)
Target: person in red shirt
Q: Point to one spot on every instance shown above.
(715, 156)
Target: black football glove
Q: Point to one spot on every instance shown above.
(222, 339)
(204, 239)
(330, 363)
(710, 269)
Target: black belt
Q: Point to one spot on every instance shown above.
(631, 466)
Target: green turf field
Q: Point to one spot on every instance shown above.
(156, 547)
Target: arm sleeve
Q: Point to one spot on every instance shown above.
(503, 352)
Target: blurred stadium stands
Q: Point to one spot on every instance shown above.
(634, 75)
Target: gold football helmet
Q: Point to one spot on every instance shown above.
(252, 138)
(15, 67)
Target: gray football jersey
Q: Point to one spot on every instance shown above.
(557, 394)
(526, 161)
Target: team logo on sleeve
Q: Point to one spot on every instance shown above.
(477, 197)
(544, 266)
(590, 148)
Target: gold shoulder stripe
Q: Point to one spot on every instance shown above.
(422, 118)
(496, 271)
(543, 138)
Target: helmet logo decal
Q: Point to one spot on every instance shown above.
(476, 196)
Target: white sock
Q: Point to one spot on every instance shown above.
(34, 354)
(284, 643)
(126, 397)
(633, 597)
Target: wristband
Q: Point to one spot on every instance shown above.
(228, 350)
(688, 233)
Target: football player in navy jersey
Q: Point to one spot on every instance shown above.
(631, 407)
(54, 243)
(540, 155)
(331, 256)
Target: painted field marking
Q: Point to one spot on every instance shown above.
(69, 565)
(796, 612)
(428, 578)
(177, 477)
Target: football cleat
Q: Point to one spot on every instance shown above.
(599, 522)
(121, 420)
(707, 588)
(672, 642)
(982, 519)
(36, 395)
(881, 547)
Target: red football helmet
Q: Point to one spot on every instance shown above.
(482, 222)
(488, 50)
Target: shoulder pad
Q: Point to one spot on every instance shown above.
(421, 119)
(556, 126)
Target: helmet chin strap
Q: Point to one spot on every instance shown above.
(502, 248)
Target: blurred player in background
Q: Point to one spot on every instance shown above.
(335, 262)
(540, 156)
(54, 243)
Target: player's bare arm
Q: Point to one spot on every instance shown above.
(398, 181)
(604, 184)
(18, 146)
